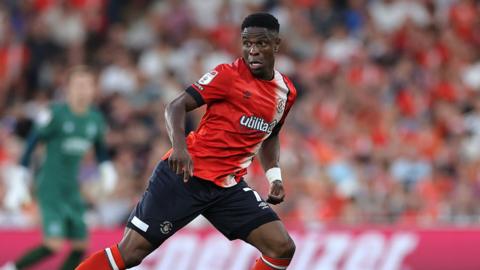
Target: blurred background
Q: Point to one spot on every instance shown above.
(386, 128)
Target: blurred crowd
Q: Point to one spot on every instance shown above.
(386, 128)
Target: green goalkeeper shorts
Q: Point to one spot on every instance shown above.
(61, 219)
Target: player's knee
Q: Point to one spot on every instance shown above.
(54, 245)
(79, 245)
(134, 249)
(282, 248)
(288, 249)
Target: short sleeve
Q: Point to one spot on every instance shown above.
(212, 86)
(291, 97)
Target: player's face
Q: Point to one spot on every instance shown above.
(259, 46)
(81, 89)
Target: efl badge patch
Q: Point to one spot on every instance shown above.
(208, 77)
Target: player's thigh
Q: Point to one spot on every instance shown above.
(53, 219)
(165, 207)
(53, 243)
(76, 227)
(239, 212)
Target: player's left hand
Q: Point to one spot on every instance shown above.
(277, 192)
(109, 177)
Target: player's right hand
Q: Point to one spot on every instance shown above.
(181, 162)
(18, 193)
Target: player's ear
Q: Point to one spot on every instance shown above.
(276, 47)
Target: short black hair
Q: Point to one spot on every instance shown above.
(261, 19)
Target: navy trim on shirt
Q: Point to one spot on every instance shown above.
(194, 93)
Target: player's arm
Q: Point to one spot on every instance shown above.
(30, 145)
(107, 170)
(175, 115)
(208, 89)
(43, 129)
(108, 174)
(269, 155)
(18, 192)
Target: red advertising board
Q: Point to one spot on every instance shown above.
(319, 249)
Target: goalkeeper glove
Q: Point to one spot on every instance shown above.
(18, 193)
(108, 176)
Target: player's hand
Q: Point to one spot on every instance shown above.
(277, 192)
(108, 176)
(18, 193)
(181, 162)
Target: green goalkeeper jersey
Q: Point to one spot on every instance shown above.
(67, 137)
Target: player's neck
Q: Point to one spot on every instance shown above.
(266, 76)
(78, 109)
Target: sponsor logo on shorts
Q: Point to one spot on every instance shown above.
(257, 123)
(166, 227)
(263, 205)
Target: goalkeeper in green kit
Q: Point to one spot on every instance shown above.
(68, 131)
